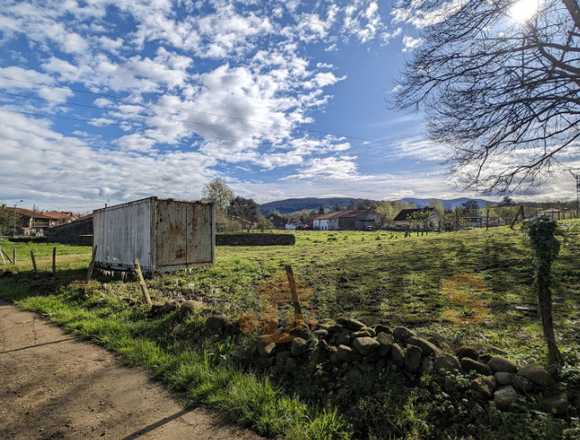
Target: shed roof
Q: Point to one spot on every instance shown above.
(404, 214)
(342, 214)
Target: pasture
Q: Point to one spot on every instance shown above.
(472, 287)
(463, 288)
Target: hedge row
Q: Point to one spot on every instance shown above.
(255, 239)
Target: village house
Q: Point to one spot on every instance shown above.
(354, 220)
(32, 223)
(419, 218)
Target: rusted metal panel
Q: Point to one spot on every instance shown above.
(165, 235)
(171, 233)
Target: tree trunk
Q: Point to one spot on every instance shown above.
(545, 304)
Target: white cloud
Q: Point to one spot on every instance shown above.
(16, 79)
(63, 171)
(335, 168)
(422, 149)
(411, 43)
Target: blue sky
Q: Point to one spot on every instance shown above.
(106, 101)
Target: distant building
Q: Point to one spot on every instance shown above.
(34, 223)
(408, 218)
(293, 226)
(354, 220)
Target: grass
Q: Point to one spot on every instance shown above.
(472, 287)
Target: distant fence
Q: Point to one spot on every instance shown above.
(255, 239)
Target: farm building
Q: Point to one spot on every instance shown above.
(79, 231)
(409, 218)
(165, 235)
(32, 223)
(346, 220)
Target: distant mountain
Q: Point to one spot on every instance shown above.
(448, 204)
(288, 206)
(313, 203)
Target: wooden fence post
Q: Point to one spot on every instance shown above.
(54, 261)
(11, 260)
(92, 264)
(142, 283)
(294, 292)
(486, 219)
(14, 256)
(34, 267)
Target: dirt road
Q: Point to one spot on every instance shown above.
(53, 387)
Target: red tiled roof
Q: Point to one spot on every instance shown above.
(49, 215)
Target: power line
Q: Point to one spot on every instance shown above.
(222, 115)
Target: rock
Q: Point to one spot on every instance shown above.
(428, 348)
(301, 331)
(538, 375)
(427, 365)
(342, 338)
(282, 357)
(522, 384)
(502, 378)
(484, 386)
(351, 324)
(365, 345)
(446, 362)
(321, 333)
(216, 323)
(381, 328)
(265, 349)
(469, 364)
(467, 352)
(291, 365)
(402, 334)
(556, 404)
(413, 356)
(364, 332)
(505, 397)
(398, 355)
(497, 363)
(344, 353)
(385, 339)
(576, 401)
(298, 347)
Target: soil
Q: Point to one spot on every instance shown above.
(55, 387)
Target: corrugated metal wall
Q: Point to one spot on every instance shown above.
(122, 233)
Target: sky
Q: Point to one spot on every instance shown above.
(107, 101)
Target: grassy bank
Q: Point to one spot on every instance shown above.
(200, 371)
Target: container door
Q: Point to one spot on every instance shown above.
(200, 239)
(171, 233)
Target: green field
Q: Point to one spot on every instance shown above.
(472, 287)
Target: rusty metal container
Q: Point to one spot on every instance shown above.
(166, 235)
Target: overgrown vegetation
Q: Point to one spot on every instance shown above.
(472, 287)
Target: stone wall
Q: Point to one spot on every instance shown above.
(347, 348)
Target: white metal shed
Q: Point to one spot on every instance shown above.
(166, 235)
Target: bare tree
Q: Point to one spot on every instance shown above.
(503, 92)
